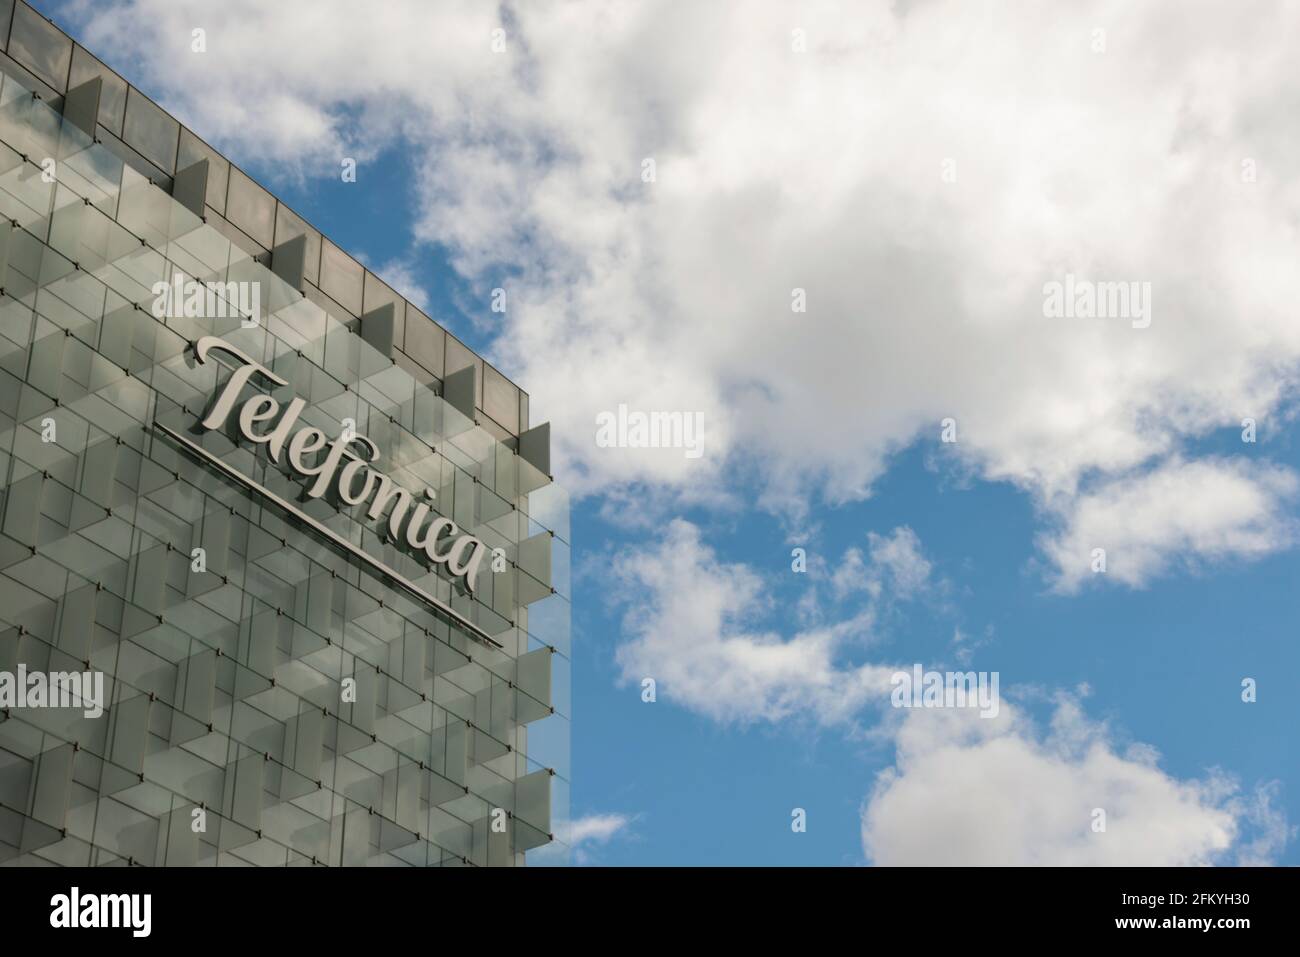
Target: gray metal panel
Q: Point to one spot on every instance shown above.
(377, 328)
(53, 784)
(533, 802)
(535, 447)
(498, 846)
(304, 735)
(182, 842)
(535, 556)
(425, 341)
(112, 100)
(9, 639)
(459, 390)
(151, 131)
(289, 225)
(262, 633)
(190, 187)
(130, 733)
(6, 232)
(533, 675)
(409, 777)
(98, 471)
(412, 647)
(45, 371)
(342, 278)
(375, 294)
(501, 399)
(289, 259)
(151, 579)
(246, 794)
(356, 836)
(200, 678)
(191, 150)
(81, 105)
(251, 208)
(457, 743)
(23, 509)
(77, 622)
(40, 46)
(314, 601)
(362, 711)
(458, 357)
(216, 540)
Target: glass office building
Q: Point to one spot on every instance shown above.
(288, 678)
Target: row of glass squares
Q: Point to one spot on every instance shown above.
(96, 247)
(144, 127)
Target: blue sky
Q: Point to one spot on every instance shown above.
(1164, 667)
(824, 429)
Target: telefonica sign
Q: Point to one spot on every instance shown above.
(357, 482)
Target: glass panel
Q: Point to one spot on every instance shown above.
(40, 46)
(251, 208)
(112, 97)
(192, 149)
(341, 277)
(262, 733)
(150, 131)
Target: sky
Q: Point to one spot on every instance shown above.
(831, 232)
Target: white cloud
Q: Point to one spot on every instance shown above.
(692, 628)
(1271, 832)
(972, 791)
(896, 561)
(964, 789)
(596, 828)
(581, 837)
(899, 555)
(1188, 511)
(403, 275)
(819, 170)
(851, 575)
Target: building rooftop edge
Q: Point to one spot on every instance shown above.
(40, 53)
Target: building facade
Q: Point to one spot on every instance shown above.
(283, 573)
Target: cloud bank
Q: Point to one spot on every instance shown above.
(919, 171)
(972, 791)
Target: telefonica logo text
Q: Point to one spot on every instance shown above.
(54, 689)
(1083, 299)
(343, 466)
(950, 689)
(192, 299)
(634, 429)
(133, 911)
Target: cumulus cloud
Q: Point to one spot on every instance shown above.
(694, 628)
(1182, 511)
(596, 828)
(920, 171)
(581, 838)
(587, 834)
(963, 789)
(966, 790)
(895, 561)
(899, 556)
